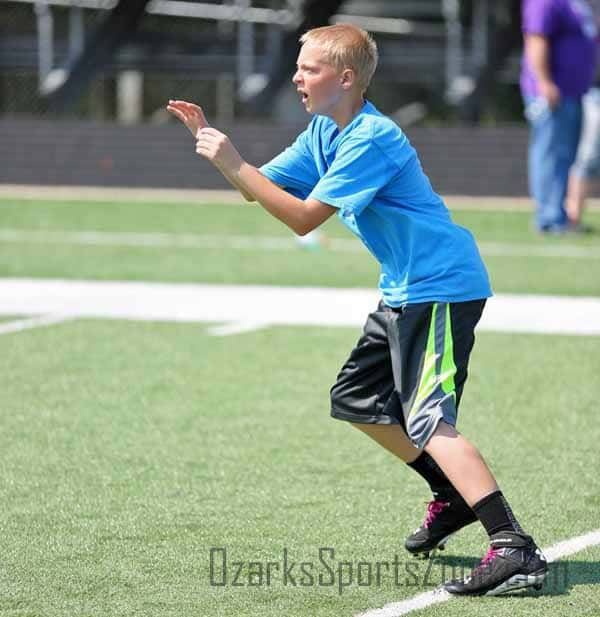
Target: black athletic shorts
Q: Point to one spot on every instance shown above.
(408, 367)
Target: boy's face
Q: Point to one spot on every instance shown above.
(319, 83)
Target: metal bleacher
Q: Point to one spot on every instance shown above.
(93, 145)
(411, 34)
(200, 38)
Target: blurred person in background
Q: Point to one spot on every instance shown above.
(557, 70)
(587, 164)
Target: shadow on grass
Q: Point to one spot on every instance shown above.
(562, 576)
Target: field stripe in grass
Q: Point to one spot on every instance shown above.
(32, 322)
(261, 243)
(237, 327)
(201, 197)
(497, 249)
(424, 600)
(270, 305)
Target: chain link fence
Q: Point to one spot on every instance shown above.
(164, 57)
(114, 131)
(219, 53)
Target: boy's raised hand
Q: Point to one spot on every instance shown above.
(191, 115)
(210, 143)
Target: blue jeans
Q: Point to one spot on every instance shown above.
(553, 139)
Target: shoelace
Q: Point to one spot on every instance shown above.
(487, 558)
(433, 509)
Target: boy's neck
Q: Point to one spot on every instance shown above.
(346, 112)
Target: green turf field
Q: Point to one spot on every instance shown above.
(573, 268)
(130, 449)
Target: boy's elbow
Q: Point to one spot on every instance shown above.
(307, 222)
(303, 228)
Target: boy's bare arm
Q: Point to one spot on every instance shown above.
(233, 180)
(300, 215)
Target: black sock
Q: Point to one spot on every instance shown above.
(428, 469)
(495, 514)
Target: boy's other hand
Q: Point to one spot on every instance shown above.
(191, 115)
(216, 147)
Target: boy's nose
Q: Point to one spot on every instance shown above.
(296, 78)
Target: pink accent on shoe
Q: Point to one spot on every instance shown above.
(433, 509)
(488, 557)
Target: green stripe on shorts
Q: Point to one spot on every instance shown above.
(438, 366)
(448, 366)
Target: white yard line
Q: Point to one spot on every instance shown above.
(572, 545)
(263, 243)
(506, 249)
(424, 600)
(289, 306)
(239, 327)
(32, 322)
(153, 240)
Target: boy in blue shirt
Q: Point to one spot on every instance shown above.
(403, 381)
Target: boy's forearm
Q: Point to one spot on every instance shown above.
(301, 216)
(295, 213)
(233, 180)
(287, 208)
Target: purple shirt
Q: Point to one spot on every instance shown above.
(570, 27)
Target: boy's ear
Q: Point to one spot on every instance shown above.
(347, 78)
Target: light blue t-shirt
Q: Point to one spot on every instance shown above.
(371, 173)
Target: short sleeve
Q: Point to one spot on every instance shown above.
(539, 17)
(294, 169)
(360, 169)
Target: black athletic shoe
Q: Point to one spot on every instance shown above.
(443, 519)
(512, 562)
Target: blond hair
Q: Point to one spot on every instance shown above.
(346, 46)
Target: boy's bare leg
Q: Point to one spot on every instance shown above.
(514, 560)
(462, 463)
(393, 438)
(447, 512)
